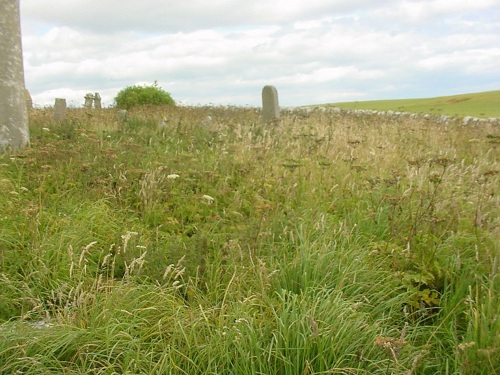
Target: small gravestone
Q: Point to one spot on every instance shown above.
(60, 109)
(89, 100)
(97, 101)
(270, 105)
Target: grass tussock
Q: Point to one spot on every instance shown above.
(324, 244)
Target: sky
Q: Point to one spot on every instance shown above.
(223, 52)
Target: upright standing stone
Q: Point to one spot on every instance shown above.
(97, 101)
(270, 105)
(14, 131)
(89, 100)
(29, 101)
(60, 109)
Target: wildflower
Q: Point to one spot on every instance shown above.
(172, 176)
(466, 345)
(208, 199)
(392, 346)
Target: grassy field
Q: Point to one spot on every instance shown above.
(483, 104)
(324, 244)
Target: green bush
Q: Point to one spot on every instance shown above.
(142, 95)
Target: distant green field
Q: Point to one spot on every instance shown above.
(483, 104)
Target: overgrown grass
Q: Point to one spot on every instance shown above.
(482, 104)
(322, 245)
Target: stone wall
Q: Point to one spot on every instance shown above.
(440, 119)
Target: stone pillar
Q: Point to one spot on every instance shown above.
(14, 131)
(270, 105)
(29, 101)
(60, 109)
(97, 101)
(89, 100)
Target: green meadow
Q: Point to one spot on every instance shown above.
(481, 105)
(322, 244)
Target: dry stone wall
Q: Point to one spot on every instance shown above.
(440, 119)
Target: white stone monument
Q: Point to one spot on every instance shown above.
(270, 105)
(14, 131)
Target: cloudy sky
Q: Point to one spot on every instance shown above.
(225, 51)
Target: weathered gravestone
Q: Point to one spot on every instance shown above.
(60, 109)
(93, 101)
(14, 131)
(270, 105)
(89, 100)
(97, 101)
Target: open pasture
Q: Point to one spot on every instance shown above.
(482, 105)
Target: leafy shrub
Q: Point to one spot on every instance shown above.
(141, 95)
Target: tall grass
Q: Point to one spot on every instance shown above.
(323, 245)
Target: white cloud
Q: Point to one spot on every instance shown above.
(473, 61)
(224, 51)
(327, 75)
(176, 15)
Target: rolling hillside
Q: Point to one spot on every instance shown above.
(483, 104)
